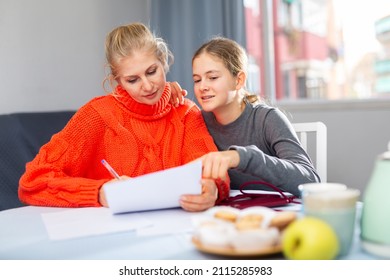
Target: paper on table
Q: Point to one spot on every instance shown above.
(81, 222)
(157, 190)
(170, 221)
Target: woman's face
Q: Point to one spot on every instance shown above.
(142, 76)
(214, 85)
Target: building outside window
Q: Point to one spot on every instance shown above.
(323, 49)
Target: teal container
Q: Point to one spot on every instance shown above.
(375, 220)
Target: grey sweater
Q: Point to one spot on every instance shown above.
(268, 147)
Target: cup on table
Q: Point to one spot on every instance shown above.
(338, 209)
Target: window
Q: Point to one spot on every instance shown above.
(323, 49)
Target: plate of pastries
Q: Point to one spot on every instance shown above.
(227, 231)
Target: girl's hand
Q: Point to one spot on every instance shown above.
(206, 200)
(177, 94)
(216, 164)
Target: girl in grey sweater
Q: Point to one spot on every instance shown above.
(256, 141)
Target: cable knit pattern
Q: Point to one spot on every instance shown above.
(134, 138)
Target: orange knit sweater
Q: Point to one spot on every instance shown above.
(134, 138)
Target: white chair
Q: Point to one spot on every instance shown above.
(319, 130)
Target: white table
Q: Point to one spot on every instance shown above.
(23, 236)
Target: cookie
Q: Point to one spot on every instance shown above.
(282, 219)
(226, 215)
(250, 221)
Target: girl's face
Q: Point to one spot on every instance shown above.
(214, 86)
(142, 76)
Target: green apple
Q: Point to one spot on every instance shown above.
(310, 238)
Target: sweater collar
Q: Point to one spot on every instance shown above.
(144, 111)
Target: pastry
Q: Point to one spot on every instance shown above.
(217, 234)
(255, 239)
(248, 230)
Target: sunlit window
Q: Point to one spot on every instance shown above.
(323, 49)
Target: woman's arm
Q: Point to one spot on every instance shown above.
(57, 176)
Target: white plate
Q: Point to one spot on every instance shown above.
(215, 250)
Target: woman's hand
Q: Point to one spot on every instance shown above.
(206, 200)
(102, 197)
(102, 194)
(177, 94)
(216, 164)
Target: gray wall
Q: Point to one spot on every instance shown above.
(358, 131)
(52, 51)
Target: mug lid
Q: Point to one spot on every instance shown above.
(321, 187)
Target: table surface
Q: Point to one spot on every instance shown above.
(23, 235)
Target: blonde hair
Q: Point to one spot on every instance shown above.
(232, 55)
(124, 40)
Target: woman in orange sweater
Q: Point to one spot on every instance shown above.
(135, 128)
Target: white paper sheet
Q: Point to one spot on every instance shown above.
(170, 221)
(158, 190)
(81, 222)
